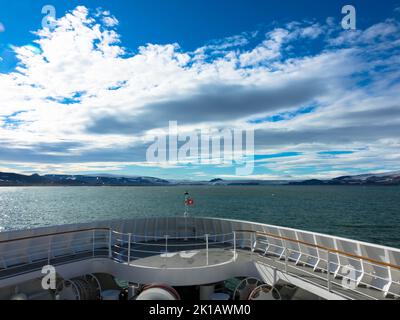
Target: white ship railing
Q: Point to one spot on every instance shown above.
(335, 264)
(323, 263)
(21, 257)
(135, 249)
(127, 248)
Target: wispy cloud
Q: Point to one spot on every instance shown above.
(78, 98)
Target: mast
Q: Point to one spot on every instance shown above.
(187, 198)
(188, 202)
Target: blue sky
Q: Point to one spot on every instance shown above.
(190, 23)
(88, 96)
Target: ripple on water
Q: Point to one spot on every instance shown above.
(369, 214)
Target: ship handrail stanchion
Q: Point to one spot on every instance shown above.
(109, 244)
(251, 245)
(93, 241)
(166, 251)
(129, 248)
(234, 245)
(286, 258)
(186, 232)
(206, 248)
(328, 271)
(49, 252)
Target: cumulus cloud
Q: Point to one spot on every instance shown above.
(110, 21)
(79, 99)
(383, 32)
(268, 50)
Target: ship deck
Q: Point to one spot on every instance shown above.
(210, 243)
(188, 256)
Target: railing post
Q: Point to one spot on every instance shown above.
(207, 248)
(234, 245)
(328, 274)
(286, 258)
(129, 248)
(166, 251)
(109, 244)
(251, 244)
(49, 252)
(93, 241)
(186, 235)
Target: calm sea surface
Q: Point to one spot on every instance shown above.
(370, 214)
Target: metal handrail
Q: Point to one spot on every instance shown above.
(61, 245)
(330, 250)
(327, 261)
(58, 242)
(313, 274)
(91, 242)
(169, 244)
(171, 237)
(328, 271)
(331, 263)
(53, 234)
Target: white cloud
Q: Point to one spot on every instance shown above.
(80, 77)
(110, 21)
(308, 30)
(270, 49)
(380, 32)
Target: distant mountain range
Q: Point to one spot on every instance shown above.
(383, 179)
(14, 179)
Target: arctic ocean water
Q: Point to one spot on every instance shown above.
(369, 214)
